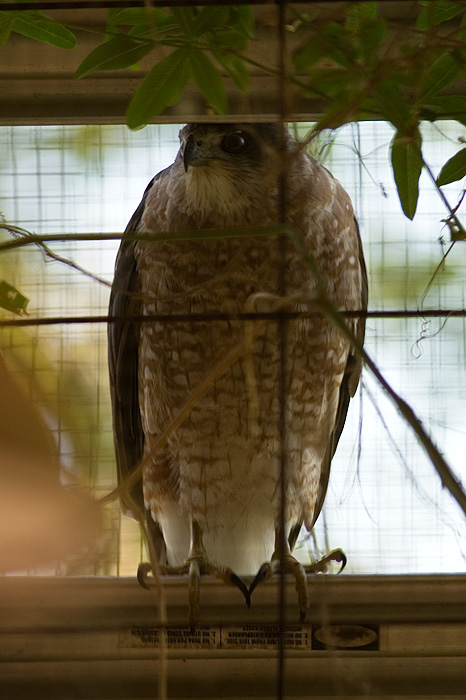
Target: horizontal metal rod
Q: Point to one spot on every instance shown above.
(212, 317)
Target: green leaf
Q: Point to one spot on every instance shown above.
(233, 41)
(161, 21)
(6, 25)
(242, 19)
(437, 12)
(210, 18)
(11, 299)
(208, 79)
(185, 16)
(147, 21)
(36, 25)
(328, 44)
(451, 106)
(112, 14)
(123, 17)
(371, 36)
(454, 169)
(121, 52)
(235, 68)
(427, 113)
(393, 105)
(312, 53)
(440, 74)
(339, 49)
(333, 83)
(359, 12)
(162, 87)
(462, 32)
(407, 164)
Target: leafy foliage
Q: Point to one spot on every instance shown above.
(195, 37)
(35, 25)
(11, 299)
(363, 66)
(437, 12)
(357, 65)
(454, 169)
(120, 52)
(162, 86)
(407, 165)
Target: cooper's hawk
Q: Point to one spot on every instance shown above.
(210, 495)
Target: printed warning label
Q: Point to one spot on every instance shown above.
(252, 636)
(265, 637)
(203, 637)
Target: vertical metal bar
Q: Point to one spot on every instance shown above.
(282, 341)
(281, 540)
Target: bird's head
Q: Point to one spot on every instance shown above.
(228, 168)
(234, 145)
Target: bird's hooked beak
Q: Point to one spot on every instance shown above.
(194, 153)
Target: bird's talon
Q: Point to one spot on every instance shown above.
(337, 555)
(343, 561)
(143, 574)
(194, 582)
(264, 572)
(239, 583)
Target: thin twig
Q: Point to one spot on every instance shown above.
(21, 234)
(173, 237)
(459, 228)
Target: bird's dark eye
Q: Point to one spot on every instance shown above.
(233, 143)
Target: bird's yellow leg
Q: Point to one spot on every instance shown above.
(196, 565)
(200, 565)
(292, 566)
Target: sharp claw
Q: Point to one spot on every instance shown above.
(261, 575)
(336, 555)
(299, 572)
(239, 583)
(343, 560)
(194, 582)
(142, 575)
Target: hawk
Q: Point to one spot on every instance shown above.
(210, 494)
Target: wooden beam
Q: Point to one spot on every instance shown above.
(37, 84)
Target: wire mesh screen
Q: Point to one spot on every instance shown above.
(385, 505)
